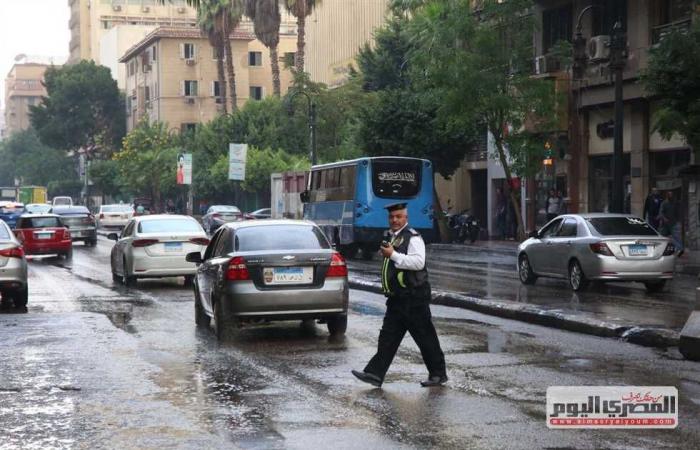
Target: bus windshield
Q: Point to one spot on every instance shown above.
(396, 178)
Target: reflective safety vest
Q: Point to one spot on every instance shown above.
(402, 282)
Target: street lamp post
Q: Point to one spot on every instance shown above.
(312, 121)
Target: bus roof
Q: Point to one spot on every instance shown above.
(352, 162)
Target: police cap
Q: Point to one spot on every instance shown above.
(395, 206)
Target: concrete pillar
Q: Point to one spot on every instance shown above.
(689, 344)
(639, 147)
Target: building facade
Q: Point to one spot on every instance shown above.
(171, 76)
(23, 88)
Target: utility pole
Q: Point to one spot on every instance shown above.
(312, 121)
(618, 46)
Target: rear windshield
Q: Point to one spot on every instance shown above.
(116, 208)
(225, 209)
(280, 237)
(38, 208)
(169, 226)
(396, 179)
(11, 210)
(621, 226)
(40, 222)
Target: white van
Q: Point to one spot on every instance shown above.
(62, 201)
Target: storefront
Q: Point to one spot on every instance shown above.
(600, 177)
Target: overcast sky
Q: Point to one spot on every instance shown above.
(32, 27)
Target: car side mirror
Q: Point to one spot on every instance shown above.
(113, 236)
(534, 234)
(194, 257)
(304, 196)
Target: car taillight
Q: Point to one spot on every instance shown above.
(601, 248)
(237, 270)
(66, 233)
(143, 242)
(215, 216)
(12, 252)
(670, 249)
(338, 268)
(200, 241)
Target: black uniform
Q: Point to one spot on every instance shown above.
(408, 309)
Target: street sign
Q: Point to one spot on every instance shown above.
(237, 154)
(184, 168)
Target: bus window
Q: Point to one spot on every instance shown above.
(396, 179)
(334, 184)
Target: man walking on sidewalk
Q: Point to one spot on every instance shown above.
(405, 284)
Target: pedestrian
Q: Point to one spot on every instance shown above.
(501, 213)
(405, 284)
(652, 208)
(552, 205)
(669, 225)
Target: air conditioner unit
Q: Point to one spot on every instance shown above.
(116, 7)
(190, 62)
(599, 48)
(189, 100)
(181, 10)
(146, 68)
(145, 9)
(546, 64)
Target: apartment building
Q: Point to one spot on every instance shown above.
(23, 88)
(171, 75)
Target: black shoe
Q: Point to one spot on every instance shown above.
(368, 378)
(434, 381)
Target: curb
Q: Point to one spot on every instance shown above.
(646, 336)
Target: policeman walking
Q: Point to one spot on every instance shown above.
(405, 284)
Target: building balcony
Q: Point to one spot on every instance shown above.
(659, 32)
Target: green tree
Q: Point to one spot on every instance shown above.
(207, 21)
(266, 18)
(83, 109)
(301, 9)
(106, 178)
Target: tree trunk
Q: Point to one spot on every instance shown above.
(275, 64)
(513, 199)
(231, 73)
(440, 218)
(222, 75)
(301, 31)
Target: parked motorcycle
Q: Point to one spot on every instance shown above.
(463, 226)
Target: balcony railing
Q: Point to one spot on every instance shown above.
(661, 31)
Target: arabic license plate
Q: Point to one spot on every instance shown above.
(638, 250)
(43, 235)
(173, 246)
(288, 275)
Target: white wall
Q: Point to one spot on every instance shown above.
(114, 44)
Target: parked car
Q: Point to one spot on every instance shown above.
(601, 247)
(62, 201)
(155, 246)
(42, 234)
(13, 268)
(263, 213)
(10, 212)
(80, 222)
(270, 270)
(114, 216)
(218, 215)
(37, 208)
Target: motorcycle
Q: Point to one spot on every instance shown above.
(463, 226)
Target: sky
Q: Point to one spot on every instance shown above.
(32, 27)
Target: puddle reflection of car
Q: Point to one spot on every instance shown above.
(13, 268)
(44, 234)
(600, 247)
(270, 270)
(218, 215)
(80, 222)
(155, 246)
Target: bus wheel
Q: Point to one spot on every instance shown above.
(368, 251)
(349, 251)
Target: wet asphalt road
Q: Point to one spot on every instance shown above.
(97, 365)
(481, 273)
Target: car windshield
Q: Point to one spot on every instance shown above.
(621, 226)
(169, 226)
(280, 237)
(40, 222)
(116, 208)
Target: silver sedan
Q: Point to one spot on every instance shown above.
(155, 247)
(13, 268)
(601, 247)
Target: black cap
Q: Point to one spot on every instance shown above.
(395, 206)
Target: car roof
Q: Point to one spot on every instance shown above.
(225, 206)
(35, 215)
(116, 204)
(267, 222)
(70, 209)
(162, 217)
(598, 215)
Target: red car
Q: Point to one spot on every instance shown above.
(42, 234)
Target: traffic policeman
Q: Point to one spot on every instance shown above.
(405, 284)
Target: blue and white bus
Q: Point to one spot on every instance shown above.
(347, 199)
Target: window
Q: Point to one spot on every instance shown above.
(169, 226)
(550, 230)
(568, 229)
(189, 88)
(224, 245)
(255, 58)
(188, 128)
(288, 59)
(621, 226)
(279, 237)
(396, 178)
(600, 183)
(606, 14)
(147, 93)
(557, 25)
(187, 50)
(216, 54)
(256, 92)
(153, 53)
(216, 88)
(669, 11)
(128, 231)
(40, 222)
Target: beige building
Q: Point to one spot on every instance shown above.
(171, 75)
(335, 32)
(23, 88)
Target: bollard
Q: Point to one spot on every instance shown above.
(689, 344)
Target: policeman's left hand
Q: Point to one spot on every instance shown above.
(387, 251)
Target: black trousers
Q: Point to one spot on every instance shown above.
(417, 320)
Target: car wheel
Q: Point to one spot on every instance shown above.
(577, 279)
(201, 319)
(189, 280)
(20, 298)
(128, 280)
(527, 276)
(655, 286)
(337, 324)
(222, 328)
(116, 278)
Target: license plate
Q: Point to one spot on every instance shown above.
(288, 275)
(43, 235)
(77, 233)
(638, 250)
(173, 246)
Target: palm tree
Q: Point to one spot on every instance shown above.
(300, 9)
(266, 18)
(206, 19)
(230, 17)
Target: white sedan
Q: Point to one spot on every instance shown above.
(115, 216)
(155, 247)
